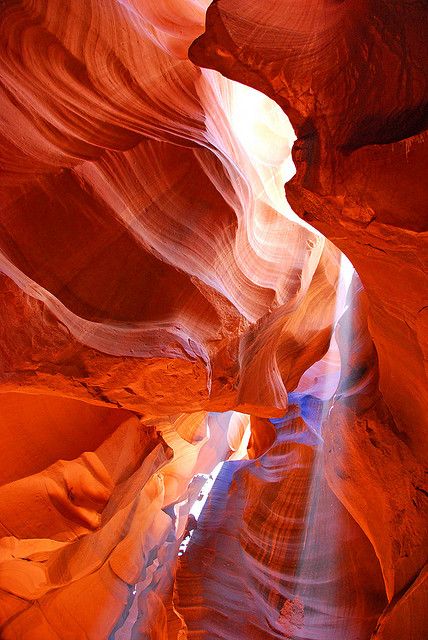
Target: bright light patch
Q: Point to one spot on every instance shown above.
(261, 126)
(199, 504)
(345, 278)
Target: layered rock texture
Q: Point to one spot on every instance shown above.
(167, 306)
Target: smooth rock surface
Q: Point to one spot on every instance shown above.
(165, 307)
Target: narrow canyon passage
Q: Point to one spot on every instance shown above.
(213, 320)
(265, 557)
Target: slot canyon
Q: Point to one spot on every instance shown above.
(214, 320)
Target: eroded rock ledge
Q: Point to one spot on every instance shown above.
(165, 308)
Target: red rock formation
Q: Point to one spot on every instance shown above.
(154, 278)
(352, 77)
(118, 191)
(360, 152)
(256, 560)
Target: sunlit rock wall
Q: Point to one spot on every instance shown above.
(161, 299)
(138, 232)
(353, 79)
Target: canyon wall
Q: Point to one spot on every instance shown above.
(166, 308)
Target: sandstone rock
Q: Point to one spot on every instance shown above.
(161, 300)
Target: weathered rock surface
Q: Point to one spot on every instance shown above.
(352, 77)
(159, 301)
(277, 553)
(119, 250)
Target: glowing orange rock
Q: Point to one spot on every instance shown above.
(361, 159)
(154, 278)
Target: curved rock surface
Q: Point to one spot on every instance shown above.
(360, 152)
(360, 158)
(110, 132)
(164, 309)
(287, 569)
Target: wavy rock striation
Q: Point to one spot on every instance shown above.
(161, 300)
(360, 157)
(277, 552)
(110, 127)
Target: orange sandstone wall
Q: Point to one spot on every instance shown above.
(155, 282)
